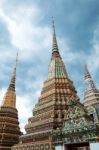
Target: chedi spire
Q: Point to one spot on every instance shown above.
(54, 42)
(91, 95)
(89, 83)
(86, 71)
(56, 66)
(10, 96)
(9, 124)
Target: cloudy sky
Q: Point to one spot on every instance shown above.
(25, 27)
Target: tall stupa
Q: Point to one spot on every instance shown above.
(50, 112)
(91, 95)
(9, 124)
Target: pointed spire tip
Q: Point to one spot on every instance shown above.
(54, 45)
(16, 59)
(53, 21)
(87, 74)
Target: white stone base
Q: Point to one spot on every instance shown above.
(59, 147)
(94, 146)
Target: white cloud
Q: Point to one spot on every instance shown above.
(69, 56)
(94, 57)
(2, 2)
(24, 110)
(26, 34)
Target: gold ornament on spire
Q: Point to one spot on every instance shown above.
(10, 96)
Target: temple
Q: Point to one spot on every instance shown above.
(59, 120)
(9, 125)
(91, 95)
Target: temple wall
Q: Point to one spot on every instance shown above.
(34, 146)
